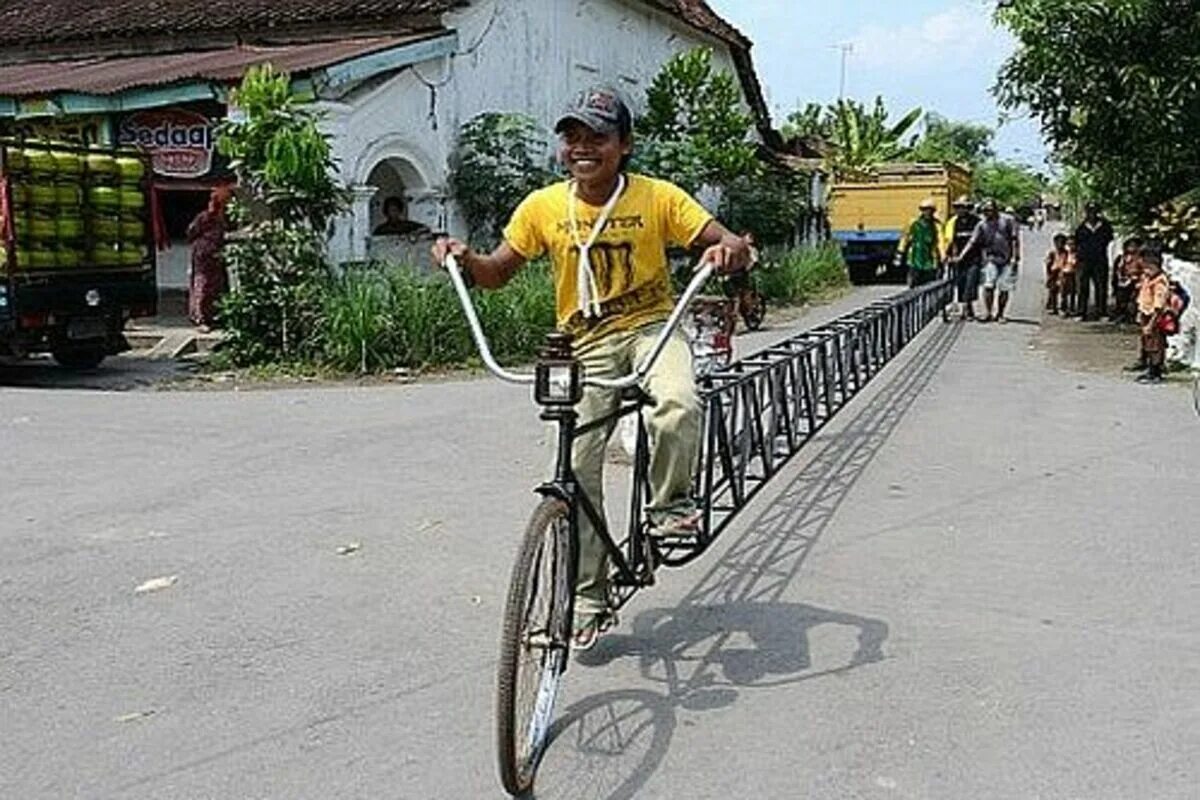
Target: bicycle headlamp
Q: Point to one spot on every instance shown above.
(558, 376)
(558, 384)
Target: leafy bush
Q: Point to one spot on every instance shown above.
(789, 277)
(275, 312)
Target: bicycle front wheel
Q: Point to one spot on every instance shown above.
(534, 645)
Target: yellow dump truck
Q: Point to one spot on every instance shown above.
(868, 213)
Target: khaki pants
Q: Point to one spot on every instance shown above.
(674, 427)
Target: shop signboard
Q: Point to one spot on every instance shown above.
(180, 142)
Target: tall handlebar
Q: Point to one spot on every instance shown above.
(629, 381)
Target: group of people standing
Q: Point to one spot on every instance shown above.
(977, 250)
(1077, 271)
(1142, 293)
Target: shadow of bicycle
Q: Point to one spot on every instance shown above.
(733, 632)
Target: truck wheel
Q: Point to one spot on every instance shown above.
(80, 358)
(862, 274)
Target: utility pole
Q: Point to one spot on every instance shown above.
(847, 49)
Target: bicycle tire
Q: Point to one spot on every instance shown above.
(533, 658)
(755, 312)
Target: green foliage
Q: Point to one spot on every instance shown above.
(1116, 84)
(865, 137)
(500, 158)
(284, 165)
(798, 275)
(770, 204)
(811, 121)
(695, 133)
(1177, 225)
(282, 158)
(957, 142)
(1009, 184)
(860, 137)
(274, 312)
(378, 317)
(1075, 190)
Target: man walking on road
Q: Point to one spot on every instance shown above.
(1092, 239)
(995, 238)
(959, 231)
(921, 246)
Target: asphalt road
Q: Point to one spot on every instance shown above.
(980, 582)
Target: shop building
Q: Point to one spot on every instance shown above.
(395, 78)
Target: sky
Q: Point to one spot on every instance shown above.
(940, 55)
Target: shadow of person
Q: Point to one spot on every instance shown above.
(607, 746)
(748, 645)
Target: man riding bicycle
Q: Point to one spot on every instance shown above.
(606, 232)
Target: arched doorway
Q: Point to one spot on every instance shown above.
(396, 180)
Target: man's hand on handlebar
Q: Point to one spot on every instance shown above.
(732, 254)
(447, 246)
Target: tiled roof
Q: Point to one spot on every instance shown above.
(54, 21)
(698, 14)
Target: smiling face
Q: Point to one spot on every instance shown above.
(592, 157)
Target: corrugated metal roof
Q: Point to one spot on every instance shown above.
(105, 76)
(24, 22)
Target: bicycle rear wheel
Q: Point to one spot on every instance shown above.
(534, 645)
(754, 309)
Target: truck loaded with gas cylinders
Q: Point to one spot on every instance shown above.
(869, 212)
(77, 260)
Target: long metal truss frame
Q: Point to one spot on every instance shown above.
(762, 410)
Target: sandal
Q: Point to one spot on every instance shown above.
(677, 525)
(589, 628)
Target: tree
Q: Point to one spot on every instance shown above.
(695, 132)
(288, 198)
(1116, 85)
(1009, 184)
(959, 142)
(500, 158)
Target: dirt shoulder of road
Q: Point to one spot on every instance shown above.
(1097, 347)
(1092, 347)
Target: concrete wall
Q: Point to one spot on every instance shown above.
(530, 56)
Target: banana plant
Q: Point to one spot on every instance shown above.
(863, 137)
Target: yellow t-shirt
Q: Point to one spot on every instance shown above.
(629, 258)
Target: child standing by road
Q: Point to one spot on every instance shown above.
(1056, 260)
(1068, 281)
(1127, 273)
(1153, 303)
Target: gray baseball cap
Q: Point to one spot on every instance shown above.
(601, 109)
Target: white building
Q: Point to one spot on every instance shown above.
(397, 78)
(531, 56)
